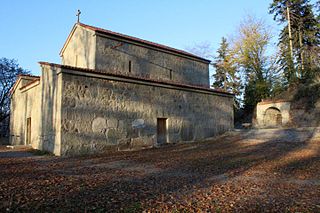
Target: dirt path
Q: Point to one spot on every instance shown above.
(15, 152)
(251, 171)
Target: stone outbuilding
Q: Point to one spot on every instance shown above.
(273, 114)
(114, 91)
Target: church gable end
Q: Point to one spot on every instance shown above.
(95, 48)
(79, 48)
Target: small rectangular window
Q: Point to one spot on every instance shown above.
(130, 66)
(170, 73)
(76, 61)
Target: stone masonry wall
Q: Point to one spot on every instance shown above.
(80, 51)
(50, 110)
(115, 55)
(283, 107)
(17, 118)
(86, 49)
(25, 104)
(40, 103)
(99, 113)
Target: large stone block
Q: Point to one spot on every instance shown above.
(99, 125)
(124, 144)
(142, 142)
(138, 124)
(112, 123)
(113, 135)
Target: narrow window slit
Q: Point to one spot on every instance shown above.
(76, 61)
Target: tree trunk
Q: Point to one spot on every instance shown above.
(289, 30)
(301, 51)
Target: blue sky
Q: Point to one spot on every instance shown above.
(33, 31)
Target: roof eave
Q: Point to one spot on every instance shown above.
(14, 87)
(103, 72)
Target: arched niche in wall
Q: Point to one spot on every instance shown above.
(272, 117)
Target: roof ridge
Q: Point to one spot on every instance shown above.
(13, 88)
(28, 75)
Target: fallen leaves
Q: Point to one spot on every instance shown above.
(213, 176)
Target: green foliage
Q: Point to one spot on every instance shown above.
(255, 91)
(249, 50)
(222, 66)
(277, 87)
(309, 94)
(226, 73)
(286, 65)
(218, 210)
(305, 39)
(40, 152)
(264, 75)
(134, 208)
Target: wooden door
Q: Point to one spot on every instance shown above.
(279, 120)
(28, 141)
(161, 130)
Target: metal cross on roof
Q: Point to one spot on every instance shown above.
(78, 14)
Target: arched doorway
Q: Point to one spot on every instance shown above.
(272, 117)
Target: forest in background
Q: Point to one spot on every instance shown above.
(245, 65)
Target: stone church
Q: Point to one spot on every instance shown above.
(116, 92)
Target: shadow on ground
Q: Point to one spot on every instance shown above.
(275, 170)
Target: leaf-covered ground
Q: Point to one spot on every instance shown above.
(276, 171)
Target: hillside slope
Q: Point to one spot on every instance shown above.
(305, 104)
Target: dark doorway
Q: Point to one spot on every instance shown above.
(161, 130)
(28, 141)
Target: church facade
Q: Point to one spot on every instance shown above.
(114, 91)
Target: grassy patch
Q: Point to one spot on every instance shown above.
(40, 152)
(136, 207)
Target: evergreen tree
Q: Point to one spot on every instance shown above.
(255, 91)
(225, 76)
(299, 61)
(219, 64)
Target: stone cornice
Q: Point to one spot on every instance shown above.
(134, 79)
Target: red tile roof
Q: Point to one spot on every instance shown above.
(134, 77)
(28, 75)
(142, 41)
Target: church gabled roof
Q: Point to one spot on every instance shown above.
(134, 39)
(32, 79)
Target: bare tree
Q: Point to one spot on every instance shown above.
(9, 70)
(202, 49)
(249, 50)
